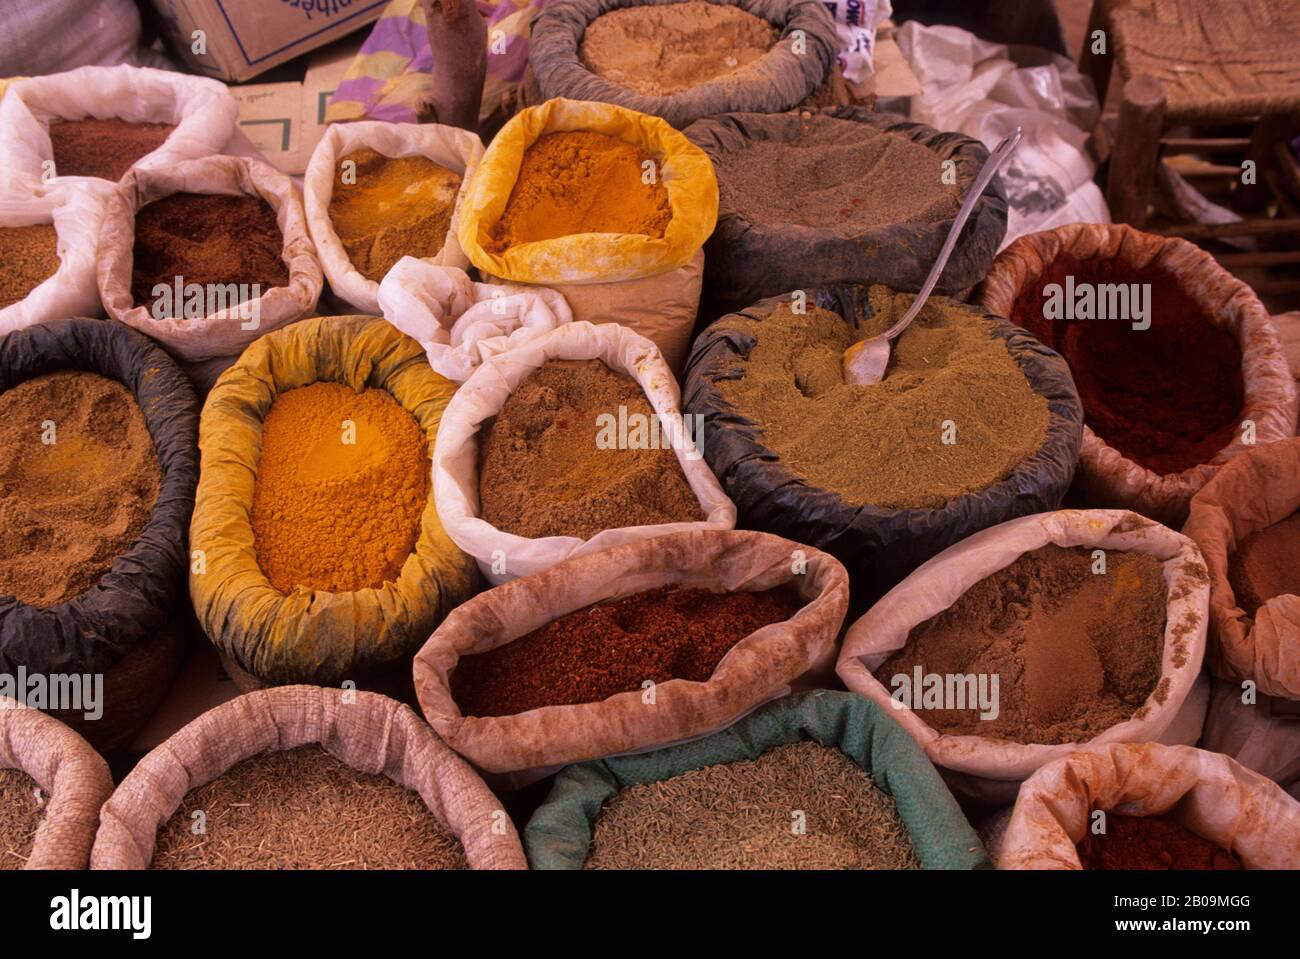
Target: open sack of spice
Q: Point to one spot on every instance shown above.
(98, 464)
(207, 255)
(101, 122)
(841, 195)
(305, 778)
(47, 246)
(323, 556)
(571, 442)
(817, 780)
(1009, 649)
(761, 56)
(1174, 382)
(375, 192)
(1148, 806)
(1246, 521)
(631, 648)
(974, 423)
(461, 323)
(609, 207)
(52, 784)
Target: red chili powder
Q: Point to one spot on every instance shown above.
(1169, 397)
(610, 648)
(1151, 842)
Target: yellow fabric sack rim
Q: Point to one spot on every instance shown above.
(312, 635)
(686, 172)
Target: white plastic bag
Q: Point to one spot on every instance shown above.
(455, 464)
(1211, 795)
(203, 110)
(856, 22)
(991, 769)
(71, 291)
(1263, 735)
(228, 331)
(457, 150)
(461, 323)
(974, 87)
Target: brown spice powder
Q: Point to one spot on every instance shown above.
(304, 809)
(744, 815)
(68, 508)
(837, 175)
(385, 208)
(542, 473)
(1267, 564)
(103, 148)
(666, 49)
(882, 445)
(1074, 652)
(1151, 842)
(30, 255)
(20, 816)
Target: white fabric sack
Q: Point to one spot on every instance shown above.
(455, 464)
(461, 323)
(455, 149)
(203, 110)
(974, 87)
(226, 332)
(1216, 798)
(72, 290)
(1264, 736)
(991, 769)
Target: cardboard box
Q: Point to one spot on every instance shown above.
(243, 38)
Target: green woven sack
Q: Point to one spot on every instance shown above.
(560, 831)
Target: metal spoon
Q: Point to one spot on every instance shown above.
(865, 361)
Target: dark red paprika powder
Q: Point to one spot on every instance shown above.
(609, 648)
(1151, 842)
(1169, 397)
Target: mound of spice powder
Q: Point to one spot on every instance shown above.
(30, 255)
(800, 806)
(581, 182)
(658, 50)
(837, 175)
(1151, 842)
(207, 238)
(78, 480)
(103, 148)
(883, 445)
(1169, 397)
(599, 651)
(342, 484)
(1075, 652)
(543, 472)
(20, 816)
(304, 809)
(385, 208)
(1267, 564)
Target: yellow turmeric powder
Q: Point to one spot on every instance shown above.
(385, 208)
(342, 483)
(582, 182)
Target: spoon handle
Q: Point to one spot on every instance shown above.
(987, 172)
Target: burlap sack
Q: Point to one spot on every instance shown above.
(762, 666)
(73, 776)
(1106, 477)
(223, 333)
(503, 556)
(371, 733)
(1254, 491)
(991, 769)
(456, 150)
(1210, 794)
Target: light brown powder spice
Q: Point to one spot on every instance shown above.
(542, 472)
(1075, 652)
(21, 813)
(30, 255)
(749, 815)
(304, 809)
(883, 445)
